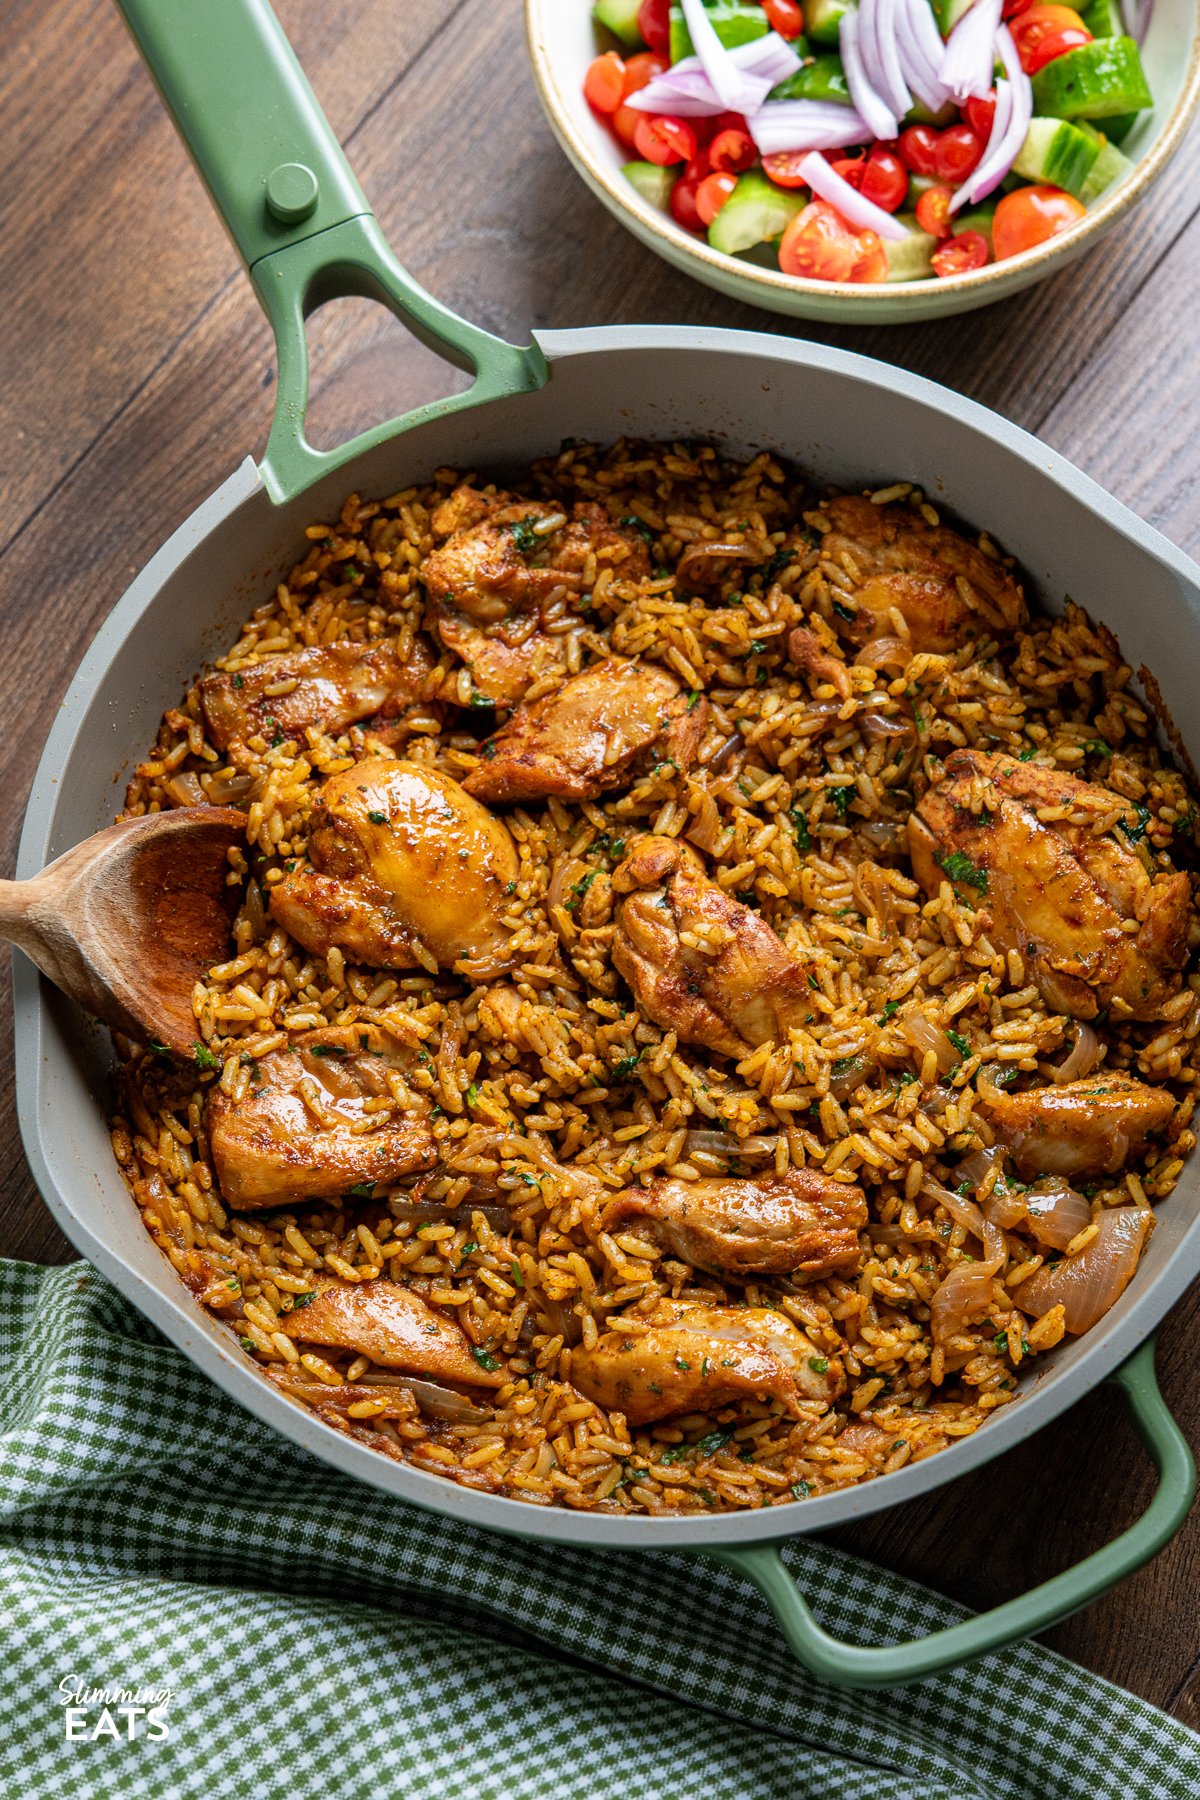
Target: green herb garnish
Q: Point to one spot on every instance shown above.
(960, 868)
(484, 1358)
(204, 1056)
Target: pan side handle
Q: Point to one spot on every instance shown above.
(895, 1665)
(297, 216)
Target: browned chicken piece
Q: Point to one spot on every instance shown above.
(1089, 1127)
(1054, 890)
(330, 686)
(392, 1326)
(402, 856)
(697, 1359)
(463, 508)
(497, 587)
(799, 1223)
(943, 586)
(598, 731)
(299, 1132)
(699, 962)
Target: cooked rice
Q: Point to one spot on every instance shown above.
(807, 823)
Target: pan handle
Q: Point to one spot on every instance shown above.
(894, 1665)
(301, 223)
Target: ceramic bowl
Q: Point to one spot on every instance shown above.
(563, 39)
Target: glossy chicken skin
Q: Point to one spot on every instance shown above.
(697, 1359)
(499, 582)
(1089, 1127)
(944, 587)
(335, 685)
(1054, 891)
(799, 1223)
(392, 1326)
(400, 853)
(746, 990)
(591, 734)
(299, 1131)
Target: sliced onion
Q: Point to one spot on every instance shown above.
(1136, 16)
(1003, 146)
(1055, 1212)
(964, 1212)
(884, 652)
(803, 125)
(431, 1397)
(566, 1323)
(769, 58)
(685, 93)
(431, 1212)
(718, 64)
(856, 210)
(1082, 1059)
(895, 89)
(724, 1143)
(970, 52)
(687, 90)
(868, 102)
(961, 1299)
(185, 790)
(1087, 1284)
(924, 1036)
(847, 1080)
(919, 26)
(443, 1403)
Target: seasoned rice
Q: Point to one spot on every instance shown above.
(799, 805)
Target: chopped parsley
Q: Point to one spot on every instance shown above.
(693, 700)
(524, 535)
(842, 797)
(800, 827)
(329, 1049)
(844, 612)
(712, 1442)
(473, 1095)
(1137, 831)
(378, 818)
(484, 1358)
(890, 1009)
(960, 868)
(362, 1190)
(514, 1270)
(1097, 747)
(204, 1056)
(157, 1049)
(960, 1043)
(477, 699)
(247, 1343)
(819, 1365)
(1028, 754)
(778, 563)
(580, 888)
(466, 1251)
(801, 1489)
(302, 1300)
(636, 524)
(626, 1066)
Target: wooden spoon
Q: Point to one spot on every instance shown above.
(129, 920)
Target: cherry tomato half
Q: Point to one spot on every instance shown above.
(918, 149)
(783, 168)
(604, 84)
(958, 255)
(684, 210)
(654, 25)
(1011, 8)
(712, 194)
(958, 152)
(884, 179)
(819, 245)
(625, 122)
(933, 211)
(1031, 215)
(642, 69)
(1032, 28)
(660, 138)
(785, 16)
(979, 112)
(732, 151)
(1056, 44)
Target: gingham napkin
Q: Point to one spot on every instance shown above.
(318, 1639)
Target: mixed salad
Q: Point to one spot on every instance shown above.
(871, 140)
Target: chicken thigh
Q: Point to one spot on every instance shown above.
(799, 1223)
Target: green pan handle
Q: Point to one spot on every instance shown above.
(299, 219)
(893, 1665)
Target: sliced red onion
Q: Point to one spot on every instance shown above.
(1002, 147)
(806, 125)
(971, 52)
(686, 90)
(994, 149)
(1136, 15)
(895, 90)
(715, 59)
(866, 98)
(924, 29)
(849, 202)
(920, 49)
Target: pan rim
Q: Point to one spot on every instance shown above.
(175, 1314)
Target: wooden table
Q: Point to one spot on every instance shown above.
(137, 372)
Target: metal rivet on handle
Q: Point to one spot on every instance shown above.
(292, 193)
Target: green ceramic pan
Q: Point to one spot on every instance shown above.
(306, 234)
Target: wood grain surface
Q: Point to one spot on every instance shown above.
(137, 373)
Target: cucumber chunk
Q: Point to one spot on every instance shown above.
(1110, 166)
(652, 181)
(756, 211)
(910, 258)
(1097, 81)
(1103, 18)
(735, 22)
(823, 19)
(1118, 128)
(821, 78)
(621, 18)
(1057, 152)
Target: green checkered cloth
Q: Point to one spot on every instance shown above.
(318, 1638)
